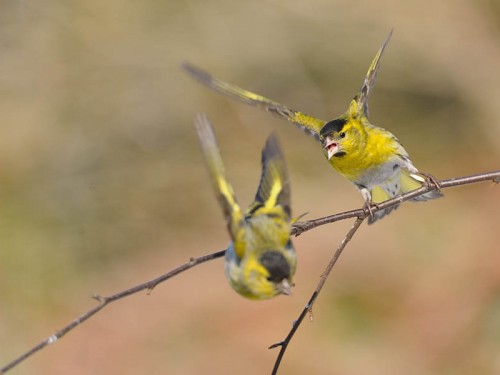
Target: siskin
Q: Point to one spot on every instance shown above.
(260, 260)
(369, 156)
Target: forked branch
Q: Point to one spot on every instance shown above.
(308, 307)
(361, 215)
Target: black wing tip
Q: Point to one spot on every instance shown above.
(186, 65)
(272, 149)
(391, 31)
(387, 39)
(196, 72)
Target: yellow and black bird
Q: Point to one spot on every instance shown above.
(367, 155)
(260, 260)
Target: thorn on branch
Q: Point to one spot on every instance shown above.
(100, 298)
(273, 346)
(311, 315)
(52, 339)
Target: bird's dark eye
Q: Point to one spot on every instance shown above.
(342, 135)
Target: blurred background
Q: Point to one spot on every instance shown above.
(102, 184)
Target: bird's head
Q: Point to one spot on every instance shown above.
(343, 134)
(269, 276)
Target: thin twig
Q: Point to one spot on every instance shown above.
(106, 300)
(304, 226)
(308, 308)
(361, 215)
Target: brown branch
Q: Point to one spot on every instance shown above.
(361, 215)
(304, 226)
(106, 300)
(297, 229)
(308, 308)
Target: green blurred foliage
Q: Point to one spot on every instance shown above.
(102, 184)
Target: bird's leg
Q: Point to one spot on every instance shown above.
(368, 208)
(369, 205)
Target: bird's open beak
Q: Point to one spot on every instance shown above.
(284, 287)
(331, 147)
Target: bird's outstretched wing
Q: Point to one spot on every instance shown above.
(308, 124)
(273, 194)
(223, 189)
(362, 97)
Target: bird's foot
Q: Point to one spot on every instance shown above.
(368, 209)
(430, 180)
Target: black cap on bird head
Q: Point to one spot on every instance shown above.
(333, 126)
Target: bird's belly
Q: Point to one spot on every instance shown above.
(378, 175)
